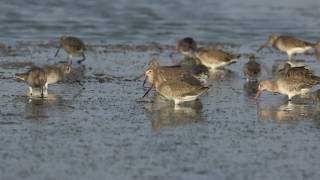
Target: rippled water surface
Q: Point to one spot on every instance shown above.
(104, 130)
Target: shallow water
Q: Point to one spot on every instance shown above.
(104, 130)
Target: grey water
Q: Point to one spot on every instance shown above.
(104, 130)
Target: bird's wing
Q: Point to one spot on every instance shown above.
(294, 42)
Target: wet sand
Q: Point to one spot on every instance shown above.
(104, 130)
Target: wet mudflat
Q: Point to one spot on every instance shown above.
(104, 130)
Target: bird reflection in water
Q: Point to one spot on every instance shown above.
(221, 74)
(76, 75)
(165, 114)
(42, 108)
(288, 112)
(250, 89)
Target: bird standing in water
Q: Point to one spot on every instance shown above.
(252, 69)
(290, 45)
(215, 58)
(73, 46)
(210, 57)
(291, 84)
(56, 73)
(35, 78)
(175, 90)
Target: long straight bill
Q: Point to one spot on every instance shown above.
(144, 81)
(57, 51)
(263, 46)
(147, 92)
(258, 94)
(138, 77)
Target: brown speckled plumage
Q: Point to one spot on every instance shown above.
(56, 73)
(289, 85)
(215, 58)
(179, 90)
(176, 90)
(302, 71)
(35, 78)
(252, 69)
(289, 45)
(73, 47)
(186, 46)
(288, 42)
(173, 73)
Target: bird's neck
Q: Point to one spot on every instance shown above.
(273, 86)
(158, 80)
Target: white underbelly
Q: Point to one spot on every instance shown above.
(294, 92)
(299, 50)
(189, 98)
(215, 65)
(52, 80)
(184, 99)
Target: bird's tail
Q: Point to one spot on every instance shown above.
(236, 56)
(316, 78)
(203, 89)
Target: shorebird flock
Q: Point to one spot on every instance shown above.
(186, 81)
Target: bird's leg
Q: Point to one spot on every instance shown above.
(290, 56)
(45, 93)
(83, 59)
(46, 89)
(42, 89)
(258, 107)
(69, 59)
(30, 91)
(177, 106)
(290, 105)
(176, 102)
